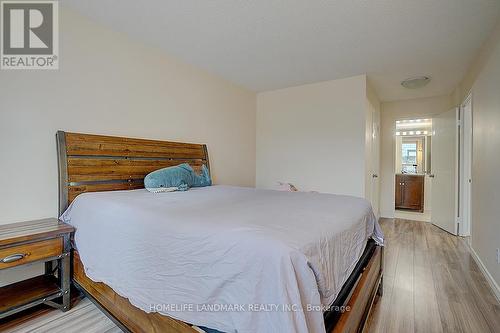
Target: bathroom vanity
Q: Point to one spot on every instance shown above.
(410, 192)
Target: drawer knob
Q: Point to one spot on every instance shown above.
(13, 257)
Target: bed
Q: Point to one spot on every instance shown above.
(244, 250)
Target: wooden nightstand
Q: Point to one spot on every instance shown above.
(45, 241)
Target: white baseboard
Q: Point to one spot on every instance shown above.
(387, 214)
(415, 216)
(425, 216)
(494, 286)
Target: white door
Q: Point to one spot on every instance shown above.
(375, 163)
(444, 163)
(466, 167)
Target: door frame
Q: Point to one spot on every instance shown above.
(426, 215)
(465, 164)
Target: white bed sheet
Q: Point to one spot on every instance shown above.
(231, 258)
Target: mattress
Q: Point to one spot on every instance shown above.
(230, 258)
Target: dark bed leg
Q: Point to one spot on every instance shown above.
(380, 290)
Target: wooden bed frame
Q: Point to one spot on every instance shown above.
(92, 163)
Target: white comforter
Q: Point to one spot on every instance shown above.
(230, 258)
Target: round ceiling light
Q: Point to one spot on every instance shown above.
(416, 82)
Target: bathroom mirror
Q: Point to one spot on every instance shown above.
(413, 146)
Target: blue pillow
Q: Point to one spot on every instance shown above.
(176, 178)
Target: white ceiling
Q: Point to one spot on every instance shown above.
(271, 44)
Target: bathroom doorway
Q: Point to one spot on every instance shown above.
(412, 167)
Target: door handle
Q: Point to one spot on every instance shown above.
(13, 257)
(431, 175)
(374, 175)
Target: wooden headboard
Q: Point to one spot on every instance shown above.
(93, 163)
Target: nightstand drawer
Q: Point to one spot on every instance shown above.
(25, 253)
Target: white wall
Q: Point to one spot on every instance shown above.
(109, 84)
(313, 136)
(390, 112)
(485, 227)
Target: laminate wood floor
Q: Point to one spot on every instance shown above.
(84, 317)
(431, 284)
